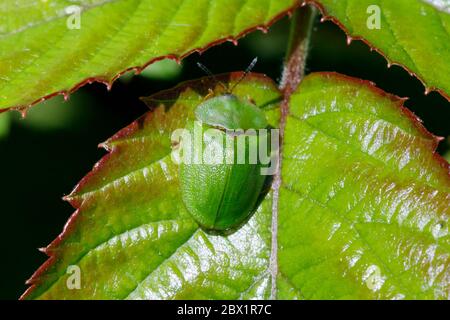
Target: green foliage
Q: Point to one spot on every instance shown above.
(5, 123)
(363, 203)
(412, 33)
(365, 199)
(363, 207)
(44, 52)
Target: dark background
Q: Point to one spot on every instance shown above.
(43, 156)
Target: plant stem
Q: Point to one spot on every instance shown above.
(293, 73)
(299, 38)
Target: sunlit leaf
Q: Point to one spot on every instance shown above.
(412, 33)
(131, 226)
(362, 210)
(54, 46)
(365, 202)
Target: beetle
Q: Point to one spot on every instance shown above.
(222, 196)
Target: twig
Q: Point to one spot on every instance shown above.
(293, 73)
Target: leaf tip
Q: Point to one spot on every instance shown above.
(73, 198)
(23, 111)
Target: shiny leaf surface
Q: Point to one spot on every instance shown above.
(50, 47)
(411, 33)
(365, 201)
(56, 46)
(362, 210)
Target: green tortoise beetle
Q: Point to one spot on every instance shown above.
(222, 195)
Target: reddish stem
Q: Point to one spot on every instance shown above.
(293, 73)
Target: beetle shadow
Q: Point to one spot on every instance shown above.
(271, 104)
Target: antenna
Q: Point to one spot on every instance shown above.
(209, 73)
(246, 72)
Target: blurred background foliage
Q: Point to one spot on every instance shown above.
(43, 156)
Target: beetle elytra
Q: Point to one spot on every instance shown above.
(221, 196)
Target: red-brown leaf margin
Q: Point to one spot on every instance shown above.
(350, 38)
(400, 103)
(262, 27)
(200, 85)
(177, 58)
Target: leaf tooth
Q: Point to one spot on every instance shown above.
(263, 29)
(289, 13)
(73, 199)
(23, 111)
(37, 276)
(54, 246)
(349, 40)
(43, 250)
(66, 95)
(438, 139)
(105, 145)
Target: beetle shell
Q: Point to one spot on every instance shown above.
(222, 196)
(230, 112)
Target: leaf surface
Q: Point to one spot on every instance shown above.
(412, 33)
(365, 200)
(42, 52)
(362, 211)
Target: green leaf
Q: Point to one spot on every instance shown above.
(131, 226)
(362, 210)
(413, 33)
(162, 70)
(42, 52)
(365, 200)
